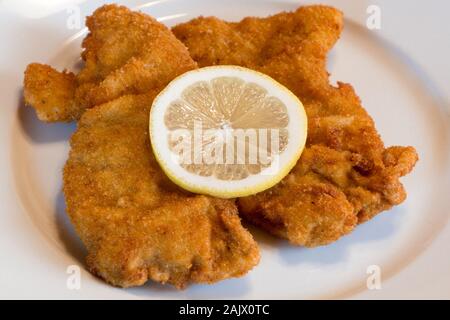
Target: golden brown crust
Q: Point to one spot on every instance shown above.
(311, 213)
(50, 92)
(345, 174)
(129, 52)
(125, 53)
(136, 224)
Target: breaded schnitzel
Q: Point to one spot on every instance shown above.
(345, 174)
(136, 224)
(124, 53)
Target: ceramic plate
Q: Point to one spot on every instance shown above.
(409, 244)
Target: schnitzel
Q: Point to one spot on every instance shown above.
(136, 224)
(345, 175)
(124, 53)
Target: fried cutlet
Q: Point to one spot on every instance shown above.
(345, 176)
(135, 223)
(125, 52)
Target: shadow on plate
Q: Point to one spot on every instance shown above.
(43, 133)
(380, 228)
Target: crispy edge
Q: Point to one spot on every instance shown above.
(51, 93)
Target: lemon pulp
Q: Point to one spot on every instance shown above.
(226, 131)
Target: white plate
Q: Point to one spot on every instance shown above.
(409, 243)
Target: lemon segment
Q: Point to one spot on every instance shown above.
(227, 131)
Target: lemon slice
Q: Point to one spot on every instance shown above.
(227, 131)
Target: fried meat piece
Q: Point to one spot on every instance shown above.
(345, 174)
(136, 224)
(125, 52)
